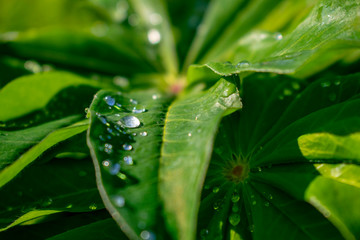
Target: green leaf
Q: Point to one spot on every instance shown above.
(125, 139)
(107, 229)
(70, 186)
(79, 50)
(153, 14)
(261, 183)
(10, 171)
(297, 52)
(27, 94)
(15, 143)
(190, 126)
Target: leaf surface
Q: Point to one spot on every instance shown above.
(190, 126)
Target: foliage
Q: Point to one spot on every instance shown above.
(221, 119)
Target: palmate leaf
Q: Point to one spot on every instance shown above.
(286, 174)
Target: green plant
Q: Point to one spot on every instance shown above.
(207, 122)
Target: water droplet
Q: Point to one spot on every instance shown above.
(259, 169)
(129, 122)
(114, 169)
(144, 134)
(146, 235)
(243, 64)
(69, 206)
(127, 147)
(103, 119)
(189, 134)
(47, 202)
(337, 82)
(155, 19)
(121, 81)
(325, 84)
(134, 110)
(122, 176)
(217, 204)
(119, 201)
(254, 203)
(216, 190)
(203, 233)
(287, 92)
(251, 228)
(93, 206)
(278, 36)
(332, 97)
(270, 196)
(267, 204)
(106, 163)
(295, 85)
(234, 219)
(154, 36)
(32, 66)
(235, 197)
(154, 96)
(128, 160)
(108, 148)
(109, 100)
(133, 101)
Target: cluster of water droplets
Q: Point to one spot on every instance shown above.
(116, 143)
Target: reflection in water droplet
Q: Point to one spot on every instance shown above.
(110, 100)
(243, 64)
(127, 147)
(119, 201)
(154, 36)
(93, 206)
(128, 160)
(234, 219)
(129, 122)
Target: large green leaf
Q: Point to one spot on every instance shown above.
(29, 93)
(24, 197)
(262, 183)
(190, 126)
(125, 138)
(336, 25)
(13, 167)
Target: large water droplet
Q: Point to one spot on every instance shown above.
(110, 101)
(128, 160)
(129, 122)
(234, 219)
(154, 36)
(127, 147)
(119, 201)
(243, 64)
